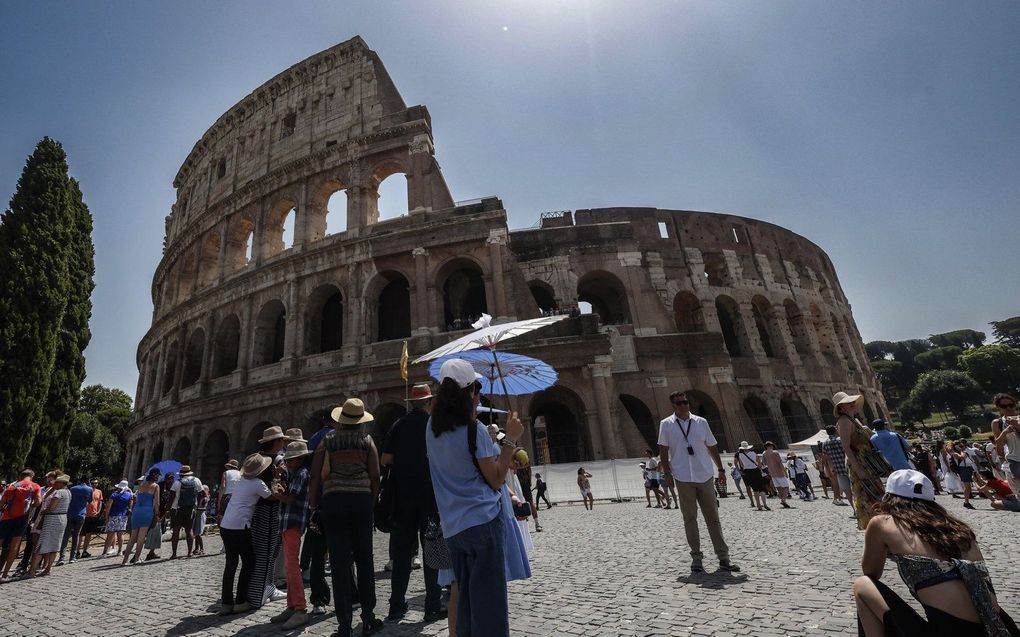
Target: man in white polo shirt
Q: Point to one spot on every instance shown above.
(690, 457)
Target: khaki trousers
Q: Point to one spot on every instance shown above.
(695, 494)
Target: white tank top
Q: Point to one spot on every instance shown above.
(230, 479)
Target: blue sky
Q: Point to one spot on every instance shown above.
(887, 133)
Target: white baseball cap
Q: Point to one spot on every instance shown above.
(910, 484)
(460, 371)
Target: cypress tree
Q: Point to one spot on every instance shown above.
(52, 439)
(34, 238)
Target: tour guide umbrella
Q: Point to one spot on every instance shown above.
(488, 336)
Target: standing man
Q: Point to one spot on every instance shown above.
(524, 477)
(81, 496)
(777, 472)
(892, 445)
(15, 503)
(93, 521)
(182, 510)
(835, 460)
(313, 552)
(405, 453)
(688, 451)
(540, 491)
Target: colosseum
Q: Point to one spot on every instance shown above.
(281, 291)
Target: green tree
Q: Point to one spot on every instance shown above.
(947, 389)
(995, 367)
(879, 350)
(95, 448)
(950, 433)
(912, 412)
(34, 241)
(964, 431)
(938, 358)
(51, 443)
(1007, 331)
(964, 339)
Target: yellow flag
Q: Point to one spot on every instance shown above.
(403, 363)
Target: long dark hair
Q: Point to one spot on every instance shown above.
(453, 406)
(950, 537)
(153, 475)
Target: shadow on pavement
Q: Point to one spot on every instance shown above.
(718, 579)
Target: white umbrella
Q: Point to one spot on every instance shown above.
(489, 335)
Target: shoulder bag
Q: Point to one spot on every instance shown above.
(435, 553)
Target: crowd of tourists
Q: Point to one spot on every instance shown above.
(461, 494)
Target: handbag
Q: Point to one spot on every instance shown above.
(385, 510)
(875, 462)
(435, 553)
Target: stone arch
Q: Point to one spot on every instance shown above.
(766, 325)
(226, 346)
(215, 451)
(282, 217)
(193, 357)
(687, 313)
(826, 337)
(799, 422)
(209, 260)
(270, 334)
(152, 389)
(395, 188)
(251, 443)
(386, 415)
(703, 405)
(762, 421)
(607, 296)
(563, 430)
(717, 271)
(182, 450)
(170, 367)
(798, 328)
(844, 342)
(642, 418)
(732, 326)
(825, 407)
(543, 294)
(324, 320)
(462, 282)
(240, 243)
(392, 307)
(326, 212)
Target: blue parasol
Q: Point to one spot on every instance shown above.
(520, 374)
(165, 467)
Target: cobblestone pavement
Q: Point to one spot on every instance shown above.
(621, 569)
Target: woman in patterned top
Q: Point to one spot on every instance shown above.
(865, 484)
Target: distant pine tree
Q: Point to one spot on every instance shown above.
(35, 237)
(53, 437)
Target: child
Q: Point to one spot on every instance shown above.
(293, 520)
(585, 486)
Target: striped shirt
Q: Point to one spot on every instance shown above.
(348, 462)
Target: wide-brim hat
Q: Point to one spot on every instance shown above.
(744, 446)
(791, 455)
(295, 433)
(843, 398)
(66, 479)
(255, 464)
(296, 449)
(185, 471)
(352, 413)
(232, 464)
(273, 433)
(420, 392)
(123, 484)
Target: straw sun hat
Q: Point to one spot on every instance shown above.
(843, 398)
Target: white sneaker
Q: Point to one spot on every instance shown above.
(318, 610)
(276, 596)
(389, 566)
(416, 562)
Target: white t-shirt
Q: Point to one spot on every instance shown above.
(231, 477)
(176, 490)
(652, 464)
(686, 467)
(748, 459)
(797, 466)
(246, 494)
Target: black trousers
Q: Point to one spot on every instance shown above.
(348, 523)
(410, 529)
(237, 545)
(543, 496)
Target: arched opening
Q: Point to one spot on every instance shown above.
(336, 213)
(687, 313)
(732, 327)
(270, 334)
(798, 328)
(844, 342)
(156, 455)
(186, 277)
(542, 292)
(193, 358)
(325, 320)
(799, 422)
(559, 426)
(209, 262)
(392, 196)
(279, 231)
(643, 420)
(240, 243)
(761, 420)
(463, 295)
(251, 444)
(385, 415)
(826, 337)
(214, 456)
(139, 465)
(761, 312)
(226, 346)
(607, 296)
(717, 272)
(826, 408)
(869, 413)
(394, 309)
(153, 390)
(704, 406)
(182, 451)
(170, 368)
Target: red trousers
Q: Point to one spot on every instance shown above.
(292, 567)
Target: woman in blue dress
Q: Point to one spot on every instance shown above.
(145, 512)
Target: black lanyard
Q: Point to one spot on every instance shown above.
(690, 422)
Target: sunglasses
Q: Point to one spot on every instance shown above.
(681, 402)
(1006, 405)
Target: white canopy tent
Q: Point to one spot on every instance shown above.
(807, 443)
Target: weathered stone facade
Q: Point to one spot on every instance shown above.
(249, 330)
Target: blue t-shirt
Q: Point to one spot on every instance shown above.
(463, 496)
(81, 495)
(891, 445)
(121, 500)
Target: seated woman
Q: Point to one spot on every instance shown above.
(939, 561)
